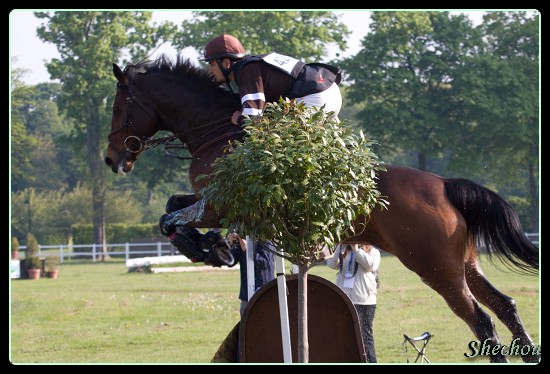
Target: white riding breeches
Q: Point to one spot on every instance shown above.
(331, 97)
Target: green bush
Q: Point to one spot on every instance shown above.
(305, 178)
(52, 263)
(32, 246)
(33, 262)
(31, 254)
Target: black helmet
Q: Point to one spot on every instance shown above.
(223, 46)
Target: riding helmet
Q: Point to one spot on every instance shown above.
(223, 46)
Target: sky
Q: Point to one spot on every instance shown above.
(32, 53)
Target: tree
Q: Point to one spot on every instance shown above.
(21, 142)
(499, 91)
(464, 99)
(55, 211)
(305, 178)
(88, 43)
(35, 108)
(403, 74)
(21, 146)
(302, 34)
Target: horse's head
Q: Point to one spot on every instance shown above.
(132, 123)
(180, 98)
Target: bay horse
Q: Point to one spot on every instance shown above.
(435, 226)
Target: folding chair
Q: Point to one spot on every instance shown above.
(424, 338)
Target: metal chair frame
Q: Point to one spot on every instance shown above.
(424, 338)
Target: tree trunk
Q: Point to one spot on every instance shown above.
(303, 341)
(97, 172)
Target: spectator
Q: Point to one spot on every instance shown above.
(264, 264)
(357, 277)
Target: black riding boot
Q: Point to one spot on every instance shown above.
(186, 240)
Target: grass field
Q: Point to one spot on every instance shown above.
(100, 313)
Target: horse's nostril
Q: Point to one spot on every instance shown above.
(108, 161)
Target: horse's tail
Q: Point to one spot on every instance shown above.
(493, 224)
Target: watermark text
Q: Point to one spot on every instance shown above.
(513, 349)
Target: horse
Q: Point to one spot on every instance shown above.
(436, 226)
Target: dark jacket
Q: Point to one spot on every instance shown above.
(261, 82)
(264, 266)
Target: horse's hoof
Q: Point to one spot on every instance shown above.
(167, 228)
(531, 359)
(220, 255)
(186, 241)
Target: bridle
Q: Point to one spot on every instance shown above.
(145, 143)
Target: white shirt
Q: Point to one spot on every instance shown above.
(361, 288)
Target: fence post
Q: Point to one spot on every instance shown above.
(159, 249)
(93, 252)
(61, 253)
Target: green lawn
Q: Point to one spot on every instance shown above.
(100, 313)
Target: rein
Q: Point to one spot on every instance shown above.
(149, 143)
(154, 142)
(221, 137)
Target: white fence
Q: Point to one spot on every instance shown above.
(94, 251)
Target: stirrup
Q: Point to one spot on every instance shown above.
(424, 338)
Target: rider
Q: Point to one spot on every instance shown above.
(267, 77)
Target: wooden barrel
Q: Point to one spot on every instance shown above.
(334, 332)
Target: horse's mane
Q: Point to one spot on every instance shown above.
(184, 81)
(183, 68)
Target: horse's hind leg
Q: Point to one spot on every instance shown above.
(456, 293)
(502, 305)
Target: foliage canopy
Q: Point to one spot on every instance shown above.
(300, 178)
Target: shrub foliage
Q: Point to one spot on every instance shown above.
(300, 178)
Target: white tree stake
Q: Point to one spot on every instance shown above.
(283, 308)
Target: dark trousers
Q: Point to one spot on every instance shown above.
(366, 316)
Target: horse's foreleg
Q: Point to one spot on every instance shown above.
(504, 308)
(198, 215)
(180, 201)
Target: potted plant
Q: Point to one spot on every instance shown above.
(32, 260)
(14, 248)
(52, 263)
(33, 266)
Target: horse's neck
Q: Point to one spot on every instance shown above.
(194, 116)
(195, 122)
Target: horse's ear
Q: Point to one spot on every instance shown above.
(119, 75)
